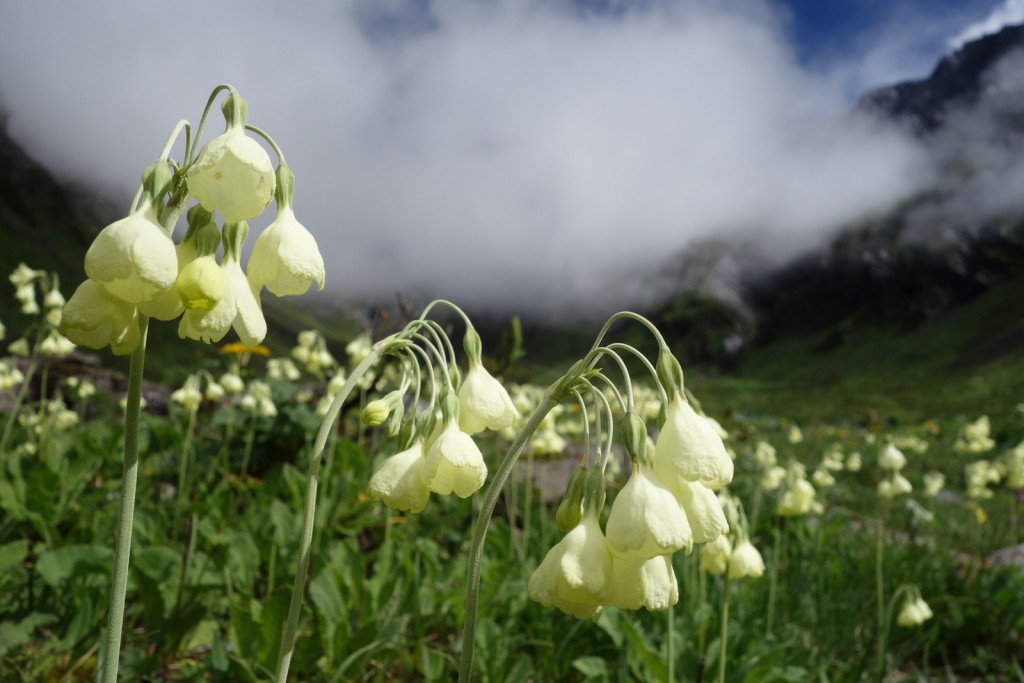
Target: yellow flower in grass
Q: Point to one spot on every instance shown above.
(914, 613)
(134, 258)
(649, 583)
(453, 463)
(745, 560)
(646, 520)
(398, 480)
(714, 556)
(576, 574)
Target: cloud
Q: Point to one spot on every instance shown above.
(1009, 13)
(508, 154)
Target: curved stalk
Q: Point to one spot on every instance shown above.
(309, 515)
(480, 532)
(723, 638)
(122, 553)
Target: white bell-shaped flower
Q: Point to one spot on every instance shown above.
(94, 318)
(232, 175)
(646, 519)
(483, 402)
(914, 613)
(703, 511)
(133, 258)
(714, 556)
(398, 480)
(745, 560)
(576, 574)
(453, 463)
(690, 449)
(238, 308)
(644, 583)
(891, 458)
(285, 258)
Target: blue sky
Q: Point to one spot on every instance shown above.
(505, 151)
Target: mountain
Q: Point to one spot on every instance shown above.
(960, 81)
(920, 311)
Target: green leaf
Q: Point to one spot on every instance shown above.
(13, 554)
(15, 634)
(56, 566)
(594, 668)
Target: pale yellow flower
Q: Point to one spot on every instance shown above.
(745, 561)
(233, 175)
(483, 402)
(649, 583)
(576, 574)
(133, 258)
(646, 519)
(398, 481)
(453, 463)
(689, 449)
(94, 318)
(285, 258)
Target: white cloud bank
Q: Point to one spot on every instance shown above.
(510, 154)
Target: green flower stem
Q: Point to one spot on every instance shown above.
(880, 592)
(723, 638)
(122, 554)
(183, 472)
(670, 654)
(33, 365)
(480, 531)
(774, 579)
(309, 515)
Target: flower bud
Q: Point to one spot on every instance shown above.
(200, 284)
(375, 413)
(570, 510)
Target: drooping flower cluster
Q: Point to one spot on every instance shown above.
(799, 496)
(892, 460)
(733, 553)
(915, 611)
(136, 271)
(666, 506)
(436, 452)
(974, 437)
(48, 341)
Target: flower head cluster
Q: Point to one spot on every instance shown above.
(974, 437)
(892, 460)
(732, 553)
(666, 505)
(136, 271)
(436, 451)
(979, 475)
(799, 496)
(915, 610)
